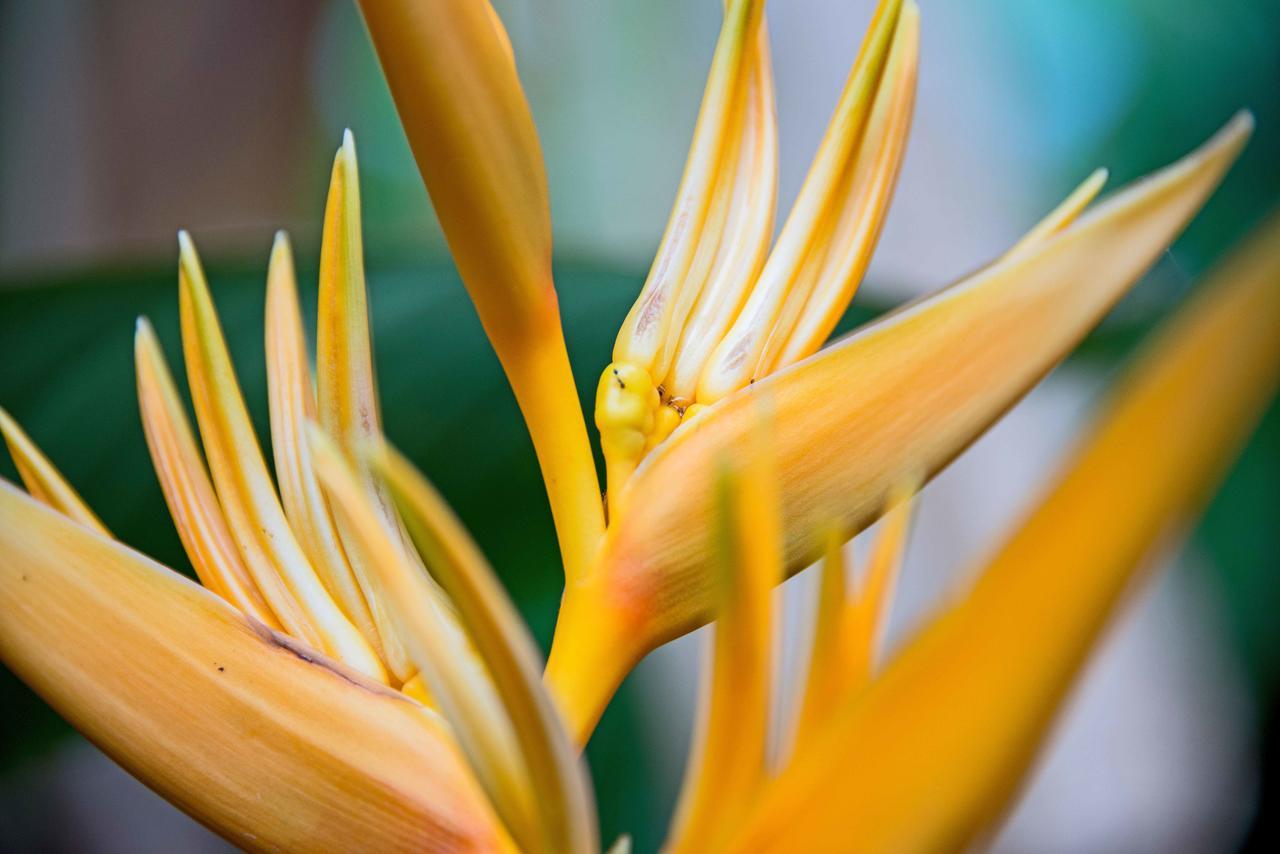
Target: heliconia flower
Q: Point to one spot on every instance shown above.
(896, 400)
(350, 674)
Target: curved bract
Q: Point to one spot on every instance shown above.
(253, 733)
(901, 396)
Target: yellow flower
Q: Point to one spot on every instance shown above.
(352, 675)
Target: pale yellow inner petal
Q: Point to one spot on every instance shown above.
(196, 513)
(267, 544)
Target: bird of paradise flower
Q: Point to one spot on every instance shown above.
(352, 675)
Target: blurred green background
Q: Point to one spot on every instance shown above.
(123, 121)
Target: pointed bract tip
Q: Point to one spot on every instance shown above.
(142, 328)
(347, 151)
(188, 257)
(281, 249)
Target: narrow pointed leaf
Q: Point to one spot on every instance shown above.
(564, 800)
(815, 304)
(902, 396)
(827, 664)
(292, 403)
(196, 513)
(277, 563)
(727, 762)
(849, 628)
(1067, 212)
(747, 203)
(1006, 656)
(258, 737)
(464, 693)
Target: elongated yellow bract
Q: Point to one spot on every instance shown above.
(465, 695)
(253, 734)
(901, 396)
(1006, 655)
(346, 390)
(651, 330)
(838, 211)
(564, 802)
(848, 629)
(454, 81)
(257, 523)
(292, 400)
(727, 763)
(196, 513)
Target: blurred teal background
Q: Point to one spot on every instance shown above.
(122, 121)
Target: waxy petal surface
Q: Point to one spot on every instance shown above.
(255, 518)
(1006, 656)
(292, 403)
(257, 736)
(196, 513)
(818, 206)
(565, 800)
(897, 399)
(727, 763)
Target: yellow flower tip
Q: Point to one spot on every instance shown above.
(826, 242)
(196, 513)
(257, 522)
(42, 479)
(721, 220)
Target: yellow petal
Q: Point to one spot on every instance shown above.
(450, 69)
(346, 387)
(815, 303)
(201, 525)
(258, 737)
(42, 478)
(904, 773)
(565, 800)
(869, 610)
(827, 666)
(700, 217)
(849, 629)
(901, 396)
(277, 563)
(733, 362)
(727, 762)
(464, 693)
(746, 202)
(292, 402)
